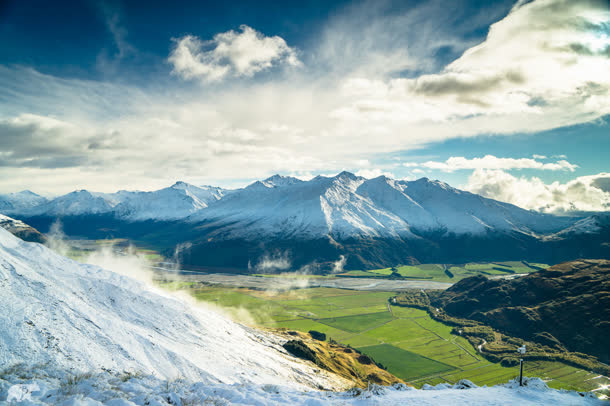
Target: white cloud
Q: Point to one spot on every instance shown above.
(229, 53)
(492, 162)
(583, 194)
(536, 156)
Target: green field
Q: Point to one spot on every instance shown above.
(407, 364)
(451, 272)
(407, 341)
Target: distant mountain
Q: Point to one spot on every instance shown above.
(362, 223)
(347, 206)
(567, 304)
(175, 202)
(20, 201)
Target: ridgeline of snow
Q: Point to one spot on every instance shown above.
(82, 318)
(350, 206)
(342, 206)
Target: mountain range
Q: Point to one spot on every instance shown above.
(344, 220)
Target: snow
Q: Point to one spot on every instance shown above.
(83, 318)
(77, 334)
(347, 206)
(175, 202)
(42, 386)
(19, 201)
(10, 223)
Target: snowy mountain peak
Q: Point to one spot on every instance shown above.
(347, 175)
(180, 185)
(279, 180)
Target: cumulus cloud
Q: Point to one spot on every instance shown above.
(230, 53)
(492, 162)
(582, 194)
(501, 85)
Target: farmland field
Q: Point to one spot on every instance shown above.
(407, 341)
(451, 272)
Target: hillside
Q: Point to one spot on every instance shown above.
(21, 230)
(566, 306)
(82, 318)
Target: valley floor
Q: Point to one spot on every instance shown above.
(412, 345)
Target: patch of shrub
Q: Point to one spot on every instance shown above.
(365, 359)
(300, 350)
(316, 335)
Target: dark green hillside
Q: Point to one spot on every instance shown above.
(566, 306)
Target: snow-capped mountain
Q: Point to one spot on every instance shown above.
(83, 318)
(175, 202)
(20, 201)
(75, 203)
(369, 222)
(346, 206)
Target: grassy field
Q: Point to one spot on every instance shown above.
(452, 272)
(407, 341)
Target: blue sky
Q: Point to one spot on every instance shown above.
(501, 98)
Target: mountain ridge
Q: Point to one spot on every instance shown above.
(371, 223)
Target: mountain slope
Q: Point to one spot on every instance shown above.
(567, 304)
(177, 201)
(349, 206)
(20, 201)
(83, 318)
(20, 229)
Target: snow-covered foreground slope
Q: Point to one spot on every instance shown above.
(42, 387)
(83, 318)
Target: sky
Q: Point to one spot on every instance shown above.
(507, 99)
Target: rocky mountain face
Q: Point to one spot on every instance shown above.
(567, 305)
(21, 230)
